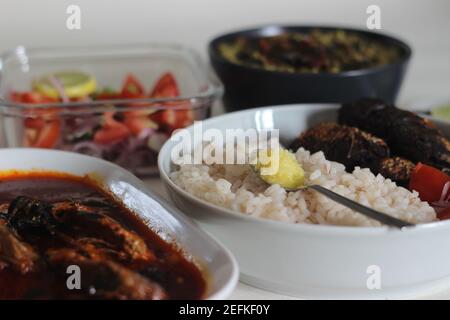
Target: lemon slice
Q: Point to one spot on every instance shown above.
(442, 112)
(74, 84)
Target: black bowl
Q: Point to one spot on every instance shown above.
(247, 87)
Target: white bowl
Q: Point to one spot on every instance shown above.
(316, 261)
(220, 267)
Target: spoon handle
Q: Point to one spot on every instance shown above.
(368, 212)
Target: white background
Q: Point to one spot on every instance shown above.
(424, 24)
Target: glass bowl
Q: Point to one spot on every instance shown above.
(76, 125)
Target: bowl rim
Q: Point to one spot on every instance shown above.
(213, 91)
(229, 284)
(336, 230)
(280, 28)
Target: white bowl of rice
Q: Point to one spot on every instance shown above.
(301, 243)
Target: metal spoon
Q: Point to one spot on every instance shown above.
(368, 212)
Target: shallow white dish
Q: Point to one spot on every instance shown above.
(220, 267)
(314, 261)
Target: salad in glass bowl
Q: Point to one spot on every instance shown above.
(116, 102)
(125, 125)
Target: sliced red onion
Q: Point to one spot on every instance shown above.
(132, 152)
(82, 127)
(145, 133)
(156, 141)
(127, 149)
(59, 87)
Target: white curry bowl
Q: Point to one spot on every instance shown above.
(317, 261)
(218, 265)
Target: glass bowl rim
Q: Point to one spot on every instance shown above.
(213, 91)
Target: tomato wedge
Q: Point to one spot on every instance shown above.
(48, 136)
(30, 97)
(132, 88)
(112, 131)
(165, 87)
(428, 182)
(34, 123)
(174, 119)
(170, 120)
(40, 132)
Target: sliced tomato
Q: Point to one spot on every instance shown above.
(174, 119)
(48, 136)
(35, 97)
(15, 96)
(137, 121)
(37, 118)
(34, 123)
(112, 131)
(30, 97)
(42, 134)
(165, 87)
(111, 135)
(42, 127)
(428, 182)
(132, 88)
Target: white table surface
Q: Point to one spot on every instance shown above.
(246, 292)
